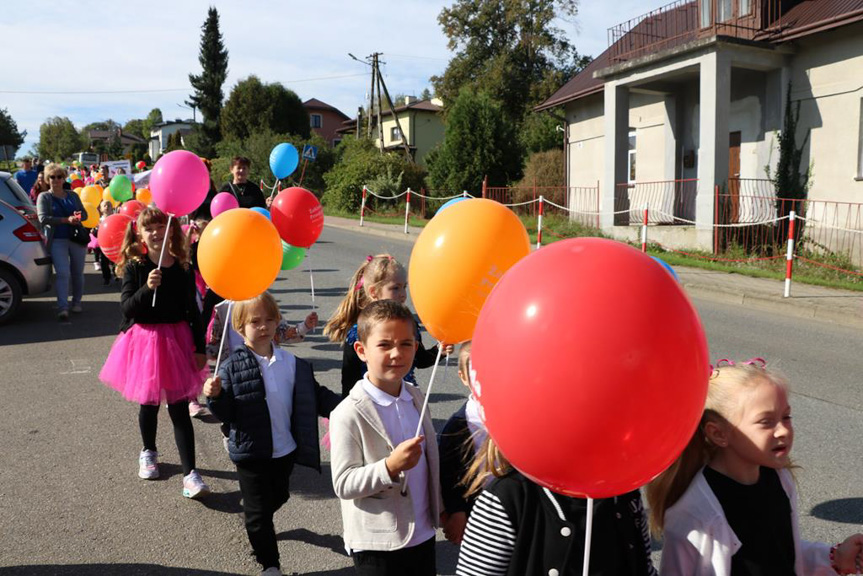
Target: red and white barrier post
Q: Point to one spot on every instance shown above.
(789, 254)
(464, 194)
(644, 230)
(407, 210)
(363, 207)
(539, 225)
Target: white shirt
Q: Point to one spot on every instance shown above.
(474, 423)
(279, 372)
(401, 419)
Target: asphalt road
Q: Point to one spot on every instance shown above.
(71, 501)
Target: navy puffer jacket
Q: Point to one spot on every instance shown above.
(243, 405)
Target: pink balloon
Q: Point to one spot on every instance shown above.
(222, 202)
(179, 182)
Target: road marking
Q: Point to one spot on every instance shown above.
(79, 366)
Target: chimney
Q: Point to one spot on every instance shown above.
(410, 100)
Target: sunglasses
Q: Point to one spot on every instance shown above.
(56, 177)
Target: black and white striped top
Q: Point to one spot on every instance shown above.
(489, 539)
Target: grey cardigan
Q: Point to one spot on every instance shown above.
(45, 211)
(375, 515)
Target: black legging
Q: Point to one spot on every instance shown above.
(184, 433)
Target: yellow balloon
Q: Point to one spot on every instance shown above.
(92, 215)
(91, 194)
(144, 196)
(106, 195)
(456, 261)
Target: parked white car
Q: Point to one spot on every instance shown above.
(25, 266)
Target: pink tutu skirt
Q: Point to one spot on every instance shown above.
(154, 363)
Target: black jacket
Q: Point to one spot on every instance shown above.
(455, 447)
(545, 542)
(243, 405)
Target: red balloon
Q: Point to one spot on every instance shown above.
(77, 183)
(591, 367)
(111, 233)
(131, 208)
(298, 216)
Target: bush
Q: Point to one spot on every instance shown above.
(359, 163)
(543, 169)
(257, 148)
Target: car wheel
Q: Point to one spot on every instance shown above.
(10, 295)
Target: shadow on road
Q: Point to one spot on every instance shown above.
(311, 485)
(330, 542)
(847, 510)
(105, 570)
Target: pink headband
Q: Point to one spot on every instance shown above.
(757, 361)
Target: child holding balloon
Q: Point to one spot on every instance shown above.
(386, 475)
(728, 505)
(518, 527)
(380, 277)
(270, 400)
(159, 354)
(102, 262)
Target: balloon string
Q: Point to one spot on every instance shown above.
(425, 406)
(165, 241)
(588, 531)
(273, 191)
(311, 276)
(224, 335)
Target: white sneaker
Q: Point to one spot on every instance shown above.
(225, 442)
(97, 266)
(148, 465)
(272, 571)
(193, 485)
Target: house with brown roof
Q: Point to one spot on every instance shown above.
(682, 112)
(325, 120)
(127, 140)
(420, 126)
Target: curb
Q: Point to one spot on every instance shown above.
(797, 307)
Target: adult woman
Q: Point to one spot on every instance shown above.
(40, 186)
(60, 211)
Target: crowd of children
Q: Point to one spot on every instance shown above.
(727, 506)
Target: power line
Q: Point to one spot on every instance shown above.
(154, 91)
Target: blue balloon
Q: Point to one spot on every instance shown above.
(667, 266)
(451, 202)
(263, 211)
(284, 159)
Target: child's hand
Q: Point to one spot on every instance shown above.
(213, 387)
(154, 279)
(269, 201)
(447, 349)
(849, 555)
(405, 456)
(312, 320)
(201, 361)
(453, 527)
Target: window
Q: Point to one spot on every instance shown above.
(724, 8)
(860, 144)
(395, 134)
(317, 120)
(745, 7)
(704, 14)
(631, 158)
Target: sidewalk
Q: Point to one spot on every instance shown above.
(806, 301)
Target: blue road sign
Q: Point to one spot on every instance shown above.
(310, 152)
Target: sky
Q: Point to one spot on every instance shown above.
(131, 58)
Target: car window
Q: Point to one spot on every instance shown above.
(11, 191)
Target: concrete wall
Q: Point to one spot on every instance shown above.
(586, 141)
(827, 81)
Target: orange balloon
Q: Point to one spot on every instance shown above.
(456, 261)
(91, 194)
(240, 254)
(143, 196)
(92, 215)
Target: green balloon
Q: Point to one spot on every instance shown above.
(292, 256)
(120, 188)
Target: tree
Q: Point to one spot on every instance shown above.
(254, 107)
(10, 138)
(153, 118)
(512, 50)
(175, 142)
(539, 132)
(136, 127)
(480, 141)
(208, 94)
(58, 139)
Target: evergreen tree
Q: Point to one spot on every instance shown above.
(208, 85)
(10, 138)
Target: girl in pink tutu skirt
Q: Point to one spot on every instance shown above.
(159, 354)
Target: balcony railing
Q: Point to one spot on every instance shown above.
(687, 20)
